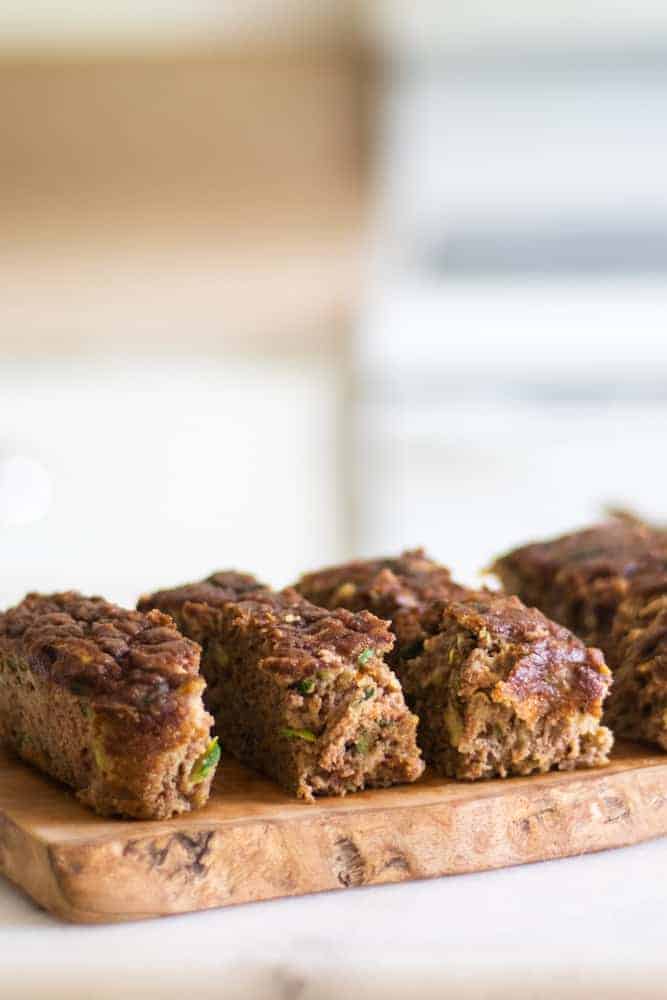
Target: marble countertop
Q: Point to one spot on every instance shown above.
(591, 926)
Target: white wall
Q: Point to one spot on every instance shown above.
(424, 25)
(515, 397)
(155, 472)
(469, 474)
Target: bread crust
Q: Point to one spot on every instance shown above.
(637, 707)
(108, 701)
(501, 690)
(216, 590)
(397, 588)
(302, 693)
(581, 578)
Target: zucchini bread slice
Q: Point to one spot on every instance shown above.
(580, 579)
(637, 707)
(303, 694)
(501, 690)
(398, 588)
(108, 701)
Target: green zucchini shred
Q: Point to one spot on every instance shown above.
(205, 764)
(298, 734)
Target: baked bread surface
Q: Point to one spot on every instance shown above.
(501, 690)
(303, 694)
(108, 701)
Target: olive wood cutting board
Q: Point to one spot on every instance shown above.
(253, 842)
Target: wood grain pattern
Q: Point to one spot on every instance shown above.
(252, 842)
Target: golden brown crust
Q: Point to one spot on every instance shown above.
(500, 689)
(100, 650)
(107, 700)
(292, 633)
(302, 693)
(383, 586)
(542, 662)
(579, 579)
(397, 588)
(637, 707)
(216, 590)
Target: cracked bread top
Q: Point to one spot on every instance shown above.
(293, 637)
(101, 650)
(617, 548)
(581, 578)
(535, 659)
(384, 586)
(216, 590)
(397, 588)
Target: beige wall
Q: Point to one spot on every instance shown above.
(217, 192)
(153, 23)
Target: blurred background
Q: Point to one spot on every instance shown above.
(287, 283)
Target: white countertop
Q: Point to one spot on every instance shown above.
(591, 926)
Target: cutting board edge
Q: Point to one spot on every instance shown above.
(182, 869)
